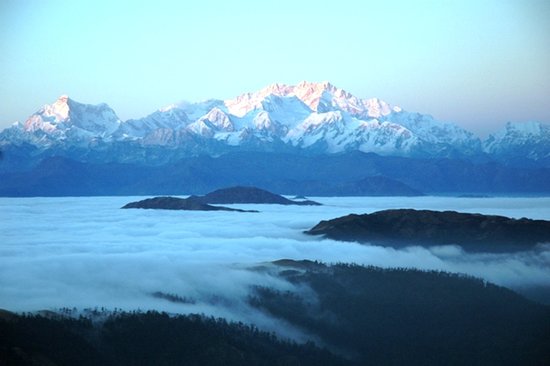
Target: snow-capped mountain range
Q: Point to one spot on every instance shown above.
(310, 117)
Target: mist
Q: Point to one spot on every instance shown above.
(87, 252)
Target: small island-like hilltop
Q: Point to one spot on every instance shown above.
(406, 227)
(232, 195)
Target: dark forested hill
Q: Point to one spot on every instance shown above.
(410, 317)
(363, 315)
(405, 227)
(151, 339)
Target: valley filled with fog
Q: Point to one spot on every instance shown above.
(86, 252)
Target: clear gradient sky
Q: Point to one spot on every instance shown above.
(478, 63)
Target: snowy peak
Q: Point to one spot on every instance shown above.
(308, 93)
(326, 118)
(519, 133)
(49, 116)
(60, 108)
(247, 102)
(262, 121)
(313, 94)
(377, 108)
(194, 111)
(166, 118)
(436, 132)
(337, 132)
(68, 119)
(99, 120)
(324, 97)
(219, 119)
(317, 96)
(277, 89)
(530, 128)
(214, 121)
(314, 116)
(528, 139)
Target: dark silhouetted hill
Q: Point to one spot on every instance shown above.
(250, 195)
(410, 317)
(148, 339)
(175, 203)
(404, 227)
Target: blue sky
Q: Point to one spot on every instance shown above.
(477, 63)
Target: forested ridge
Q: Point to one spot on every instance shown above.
(149, 338)
(411, 317)
(362, 315)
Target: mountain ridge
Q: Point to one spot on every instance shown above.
(351, 174)
(307, 117)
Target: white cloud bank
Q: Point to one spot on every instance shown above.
(87, 252)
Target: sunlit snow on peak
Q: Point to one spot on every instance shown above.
(318, 96)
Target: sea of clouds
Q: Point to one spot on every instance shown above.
(86, 252)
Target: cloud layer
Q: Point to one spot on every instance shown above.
(86, 252)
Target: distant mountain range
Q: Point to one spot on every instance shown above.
(308, 119)
(311, 117)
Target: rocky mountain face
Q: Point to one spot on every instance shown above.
(304, 118)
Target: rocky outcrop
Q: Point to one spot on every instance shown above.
(405, 227)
